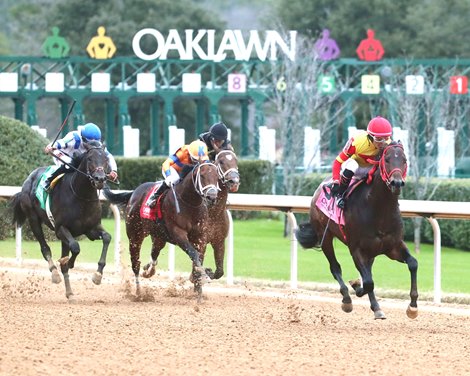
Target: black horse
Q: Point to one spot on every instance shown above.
(75, 210)
(373, 226)
(185, 220)
(229, 181)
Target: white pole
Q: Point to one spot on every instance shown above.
(293, 250)
(19, 257)
(117, 237)
(171, 260)
(230, 250)
(437, 259)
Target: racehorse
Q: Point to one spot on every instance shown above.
(229, 180)
(185, 214)
(372, 226)
(75, 210)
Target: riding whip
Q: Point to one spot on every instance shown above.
(64, 122)
(177, 205)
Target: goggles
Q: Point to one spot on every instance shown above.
(381, 140)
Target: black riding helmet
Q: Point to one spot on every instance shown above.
(219, 131)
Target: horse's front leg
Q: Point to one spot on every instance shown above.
(412, 310)
(100, 233)
(219, 256)
(64, 267)
(367, 285)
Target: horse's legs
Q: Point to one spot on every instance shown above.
(157, 244)
(64, 267)
(65, 236)
(135, 242)
(36, 228)
(335, 269)
(219, 256)
(365, 269)
(100, 233)
(405, 256)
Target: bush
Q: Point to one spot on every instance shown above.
(21, 151)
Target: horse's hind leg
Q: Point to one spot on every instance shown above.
(157, 245)
(69, 244)
(335, 269)
(135, 243)
(100, 233)
(36, 228)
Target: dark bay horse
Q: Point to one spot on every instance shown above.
(186, 228)
(373, 226)
(75, 209)
(218, 227)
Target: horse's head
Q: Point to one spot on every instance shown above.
(393, 167)
(95, 163)
(227, 168)
(205, 179)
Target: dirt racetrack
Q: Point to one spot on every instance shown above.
(236, 331)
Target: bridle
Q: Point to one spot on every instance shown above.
(196, 176)
(384, 174)
(223, 174)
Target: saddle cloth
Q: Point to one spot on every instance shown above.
(326, 202)
(146, 212)
(40, 192)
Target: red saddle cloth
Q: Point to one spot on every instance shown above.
(146, 211)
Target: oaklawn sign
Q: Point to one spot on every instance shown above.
(233, 41)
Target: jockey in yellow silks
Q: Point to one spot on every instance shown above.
(362, 146)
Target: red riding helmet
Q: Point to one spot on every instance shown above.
(379, 127)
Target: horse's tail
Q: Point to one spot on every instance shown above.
(120, 199)
(306, 236)
(19, 216)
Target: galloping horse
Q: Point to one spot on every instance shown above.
(185, 220)
(372, 226)
(229, 180)
(75, 210)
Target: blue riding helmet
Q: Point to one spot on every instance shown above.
(91, 131)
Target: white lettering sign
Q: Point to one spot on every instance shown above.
(231, 43)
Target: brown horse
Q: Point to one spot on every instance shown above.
(217, 230)
(185, 220)
(75, 210)
(373, 226)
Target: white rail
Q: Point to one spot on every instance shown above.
(431, 210)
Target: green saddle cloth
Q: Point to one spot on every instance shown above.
(41, 193)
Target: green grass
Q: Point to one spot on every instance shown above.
(261, 252)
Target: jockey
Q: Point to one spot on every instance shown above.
(360, 147)
(72, 143)
(216, 139)
(172, 167)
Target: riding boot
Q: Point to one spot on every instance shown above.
(152, 200)
(343, 185)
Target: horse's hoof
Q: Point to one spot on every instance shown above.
(412, 312)
(379, 315)
(70, 297)
(64, 260)
(148, 272)
(56, 276)
(355, 283)
(97, 278)
(347, 307)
